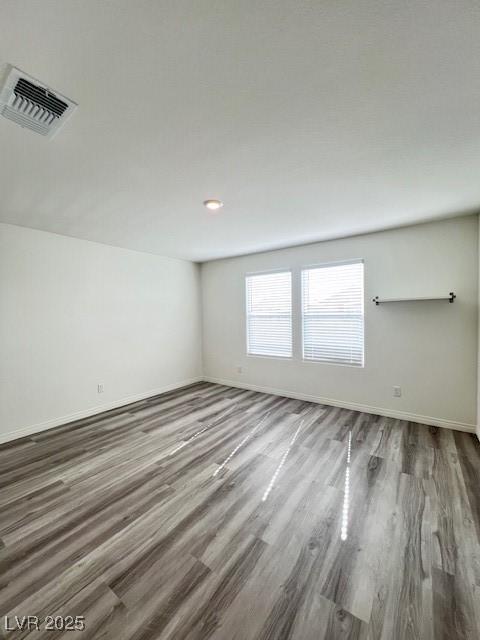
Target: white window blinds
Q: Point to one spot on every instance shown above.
(269, 314)
(332, 313)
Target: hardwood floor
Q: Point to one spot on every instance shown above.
(213, 512)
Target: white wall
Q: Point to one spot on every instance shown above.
(76, 313)
(428, 348)
(478, 361)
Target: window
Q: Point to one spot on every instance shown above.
(332, 313)
(269, 314)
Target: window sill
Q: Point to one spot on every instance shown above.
(336, 364)
(265, 357)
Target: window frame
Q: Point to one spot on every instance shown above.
(267, 272)
(316, 361)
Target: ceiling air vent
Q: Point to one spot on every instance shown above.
(33, 105)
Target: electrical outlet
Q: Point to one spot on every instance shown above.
(239, 369)
(100, 387)
(397, 392)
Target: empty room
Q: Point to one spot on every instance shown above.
(239, 320)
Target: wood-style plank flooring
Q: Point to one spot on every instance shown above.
(213, 512)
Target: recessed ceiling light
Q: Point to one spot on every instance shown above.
(213, 205)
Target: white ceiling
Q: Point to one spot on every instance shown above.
(311, 120)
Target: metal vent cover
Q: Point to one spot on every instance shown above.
(32, 104)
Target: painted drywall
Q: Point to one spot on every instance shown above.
(309, 119)
(478, 359)
(75, 314)
(427, 348)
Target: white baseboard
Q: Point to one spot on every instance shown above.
(389, 413)
(86, 413)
